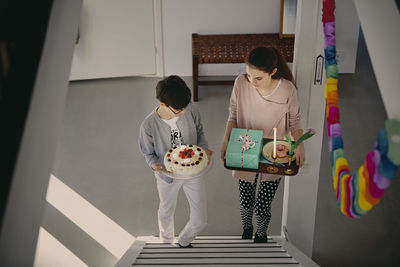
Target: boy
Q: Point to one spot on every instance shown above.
(175, 122)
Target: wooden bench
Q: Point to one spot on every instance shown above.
(231, 48)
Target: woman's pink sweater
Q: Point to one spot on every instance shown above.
(249, 110)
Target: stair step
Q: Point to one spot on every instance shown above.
(224, 265)
(216, 254)
(218, 245)
(222, 237)
(207, 261)
(218, 237)
(217, 241)
(210, 250)
(220, 251)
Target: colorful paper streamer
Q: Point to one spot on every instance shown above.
(358, 193)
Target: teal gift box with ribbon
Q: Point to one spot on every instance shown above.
(244, 148)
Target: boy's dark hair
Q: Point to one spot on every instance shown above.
(174, 92)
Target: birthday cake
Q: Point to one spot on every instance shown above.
(186, 160)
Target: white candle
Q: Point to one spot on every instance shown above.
(274, 153)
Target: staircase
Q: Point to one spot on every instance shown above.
(214, 251)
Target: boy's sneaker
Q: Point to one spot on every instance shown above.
(260, 238)
(247, 233)
(188, 246)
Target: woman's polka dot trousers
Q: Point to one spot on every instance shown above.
(262, 206)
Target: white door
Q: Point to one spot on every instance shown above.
(116, 39)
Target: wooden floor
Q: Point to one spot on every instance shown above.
(215, 251)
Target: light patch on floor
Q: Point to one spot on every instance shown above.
(50, 252)
(95, 223)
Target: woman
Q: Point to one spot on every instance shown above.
(262, 99)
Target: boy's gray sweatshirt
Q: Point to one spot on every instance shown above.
(155, 135)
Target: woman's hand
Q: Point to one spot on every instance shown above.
(300, 155)
(159, 167)
(223, 149)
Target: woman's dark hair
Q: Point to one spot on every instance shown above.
(174, 92)
(266, 59)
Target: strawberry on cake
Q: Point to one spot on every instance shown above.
(186, 160)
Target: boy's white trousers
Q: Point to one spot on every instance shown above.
(196, 195)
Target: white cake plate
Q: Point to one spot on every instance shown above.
(186, 177)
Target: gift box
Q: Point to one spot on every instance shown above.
(244, 148)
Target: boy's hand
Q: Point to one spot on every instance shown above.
(159, 167)
(209, 153)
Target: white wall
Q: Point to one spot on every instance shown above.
(382, 41)
(26, 199)
(289, 17)
(347, 31)
(116, 39)
(303, 188)
(181, 18)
